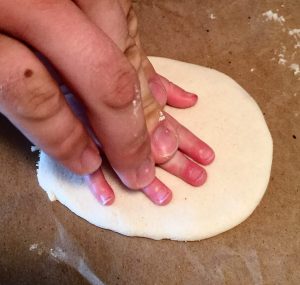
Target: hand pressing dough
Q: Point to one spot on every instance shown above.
(225, 117)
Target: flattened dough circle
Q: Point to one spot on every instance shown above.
(229, 120)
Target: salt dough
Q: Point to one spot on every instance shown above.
(230, 121)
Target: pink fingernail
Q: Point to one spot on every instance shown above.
(196, 176)
(165, 199)
(103, 198)
(194, 96)
(165, 141)
(105, 201)
(103, 195)
(206, 156)
(158, 193)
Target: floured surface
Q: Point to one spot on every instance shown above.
(229, 120)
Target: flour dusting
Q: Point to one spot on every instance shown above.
(38, 247)
(34, 148)
(161, 117)
(281, 60)
(34, 246)
(271, 16)
(212, 16)
(295, 33)
(295, 67)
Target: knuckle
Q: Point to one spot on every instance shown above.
(66, 145)
(26, 89)
(123, 89)
(133, 55)
(37, 102)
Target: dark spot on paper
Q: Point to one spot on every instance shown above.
(264, 113)
(207, 30)
(294, 137)
(249, 17)
(184, 198)
(28, 73)
(229, 62)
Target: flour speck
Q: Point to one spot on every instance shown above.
(295, 67)
(271, 16)
(212, 16)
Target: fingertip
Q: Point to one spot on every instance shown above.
(193, 99)
(164, 143)
(100, 188)
(206, 155)
(167, 199)
(178, 97)
(158, 193)
(194, 174)
(108, 201)
(139, 177)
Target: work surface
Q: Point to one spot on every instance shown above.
(44, 243)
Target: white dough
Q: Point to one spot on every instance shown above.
(225, 117)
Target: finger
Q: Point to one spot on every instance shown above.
(100, 188)
(118, 21)
(95, 68)
(110, 17)
(191, 145)
(158, 192)
(107, 15)
(176, 96)
(185, 169)
(166, 92)
(164, 142)
(31, 100)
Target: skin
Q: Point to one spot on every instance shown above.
(95, 69)
(94, 47)
(111, 17)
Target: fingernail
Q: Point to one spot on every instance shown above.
(104, 198)
(140, 177)
(106, 201)
(145, 173)
(90, 159)
(158, 193)
(197, 176)
(164, 141)
(164, 197)
(192, 94)
(206, 156)
(103, 194)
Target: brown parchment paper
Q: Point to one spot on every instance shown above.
(44, 243)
